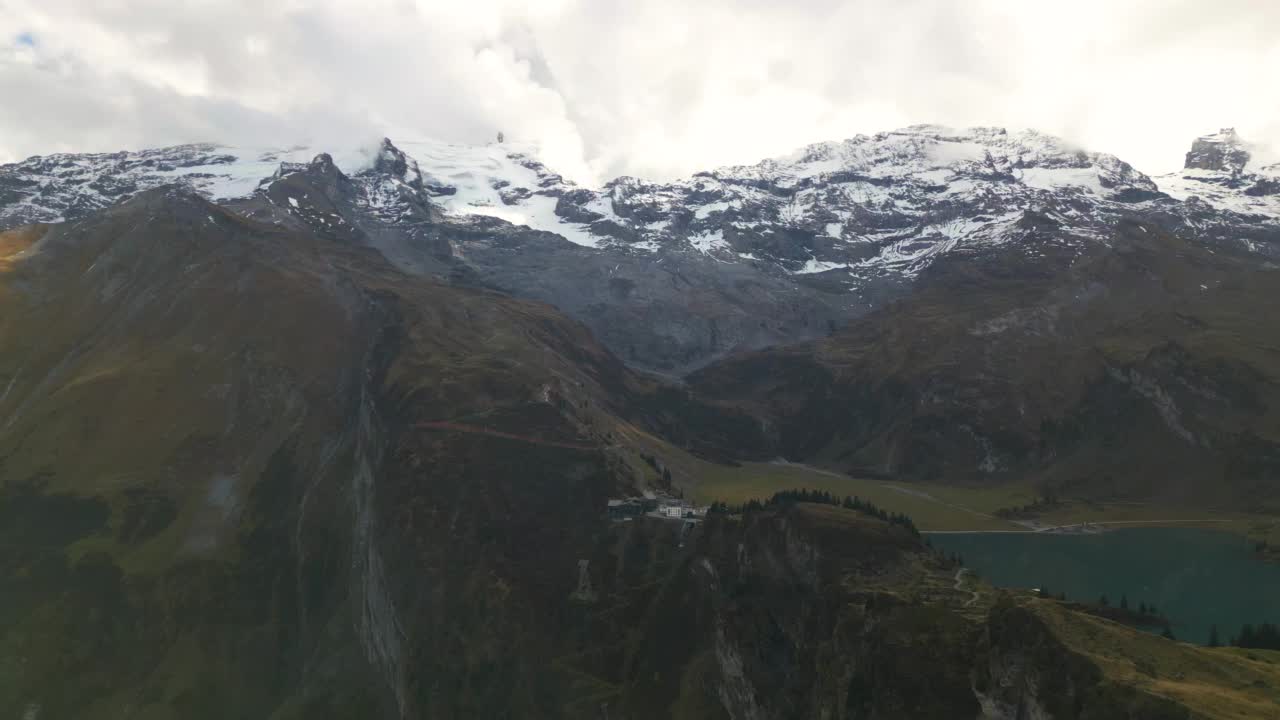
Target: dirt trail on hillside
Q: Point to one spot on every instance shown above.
(447, 426)
(960, 587)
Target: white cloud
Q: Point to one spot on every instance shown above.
(658, 88)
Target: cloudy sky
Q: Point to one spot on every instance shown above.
(656, 88)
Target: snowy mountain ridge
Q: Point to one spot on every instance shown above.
(884, 202)
(892, 199)
(864, 207)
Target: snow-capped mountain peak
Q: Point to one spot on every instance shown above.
(935, 153)
(1223, 151)
(392, 162)
(868, 205)
(1223, 171)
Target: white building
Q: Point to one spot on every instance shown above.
(673, 511)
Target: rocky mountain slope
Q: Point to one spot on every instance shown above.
(1148, 369)
(292, 455)
(673, 276)
(1014, 247)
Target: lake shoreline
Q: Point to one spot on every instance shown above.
(1199, 577)
(1095, 528)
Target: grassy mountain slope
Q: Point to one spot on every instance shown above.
(196, 411)
(249, 471)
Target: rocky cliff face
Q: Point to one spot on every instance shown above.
(1025, 672)
(1222, 152)
(1224, 172)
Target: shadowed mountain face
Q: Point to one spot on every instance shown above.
(318, 451)
(252, 470)
(1147, 369)
(224, 443)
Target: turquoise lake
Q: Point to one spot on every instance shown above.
(1197, 578)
